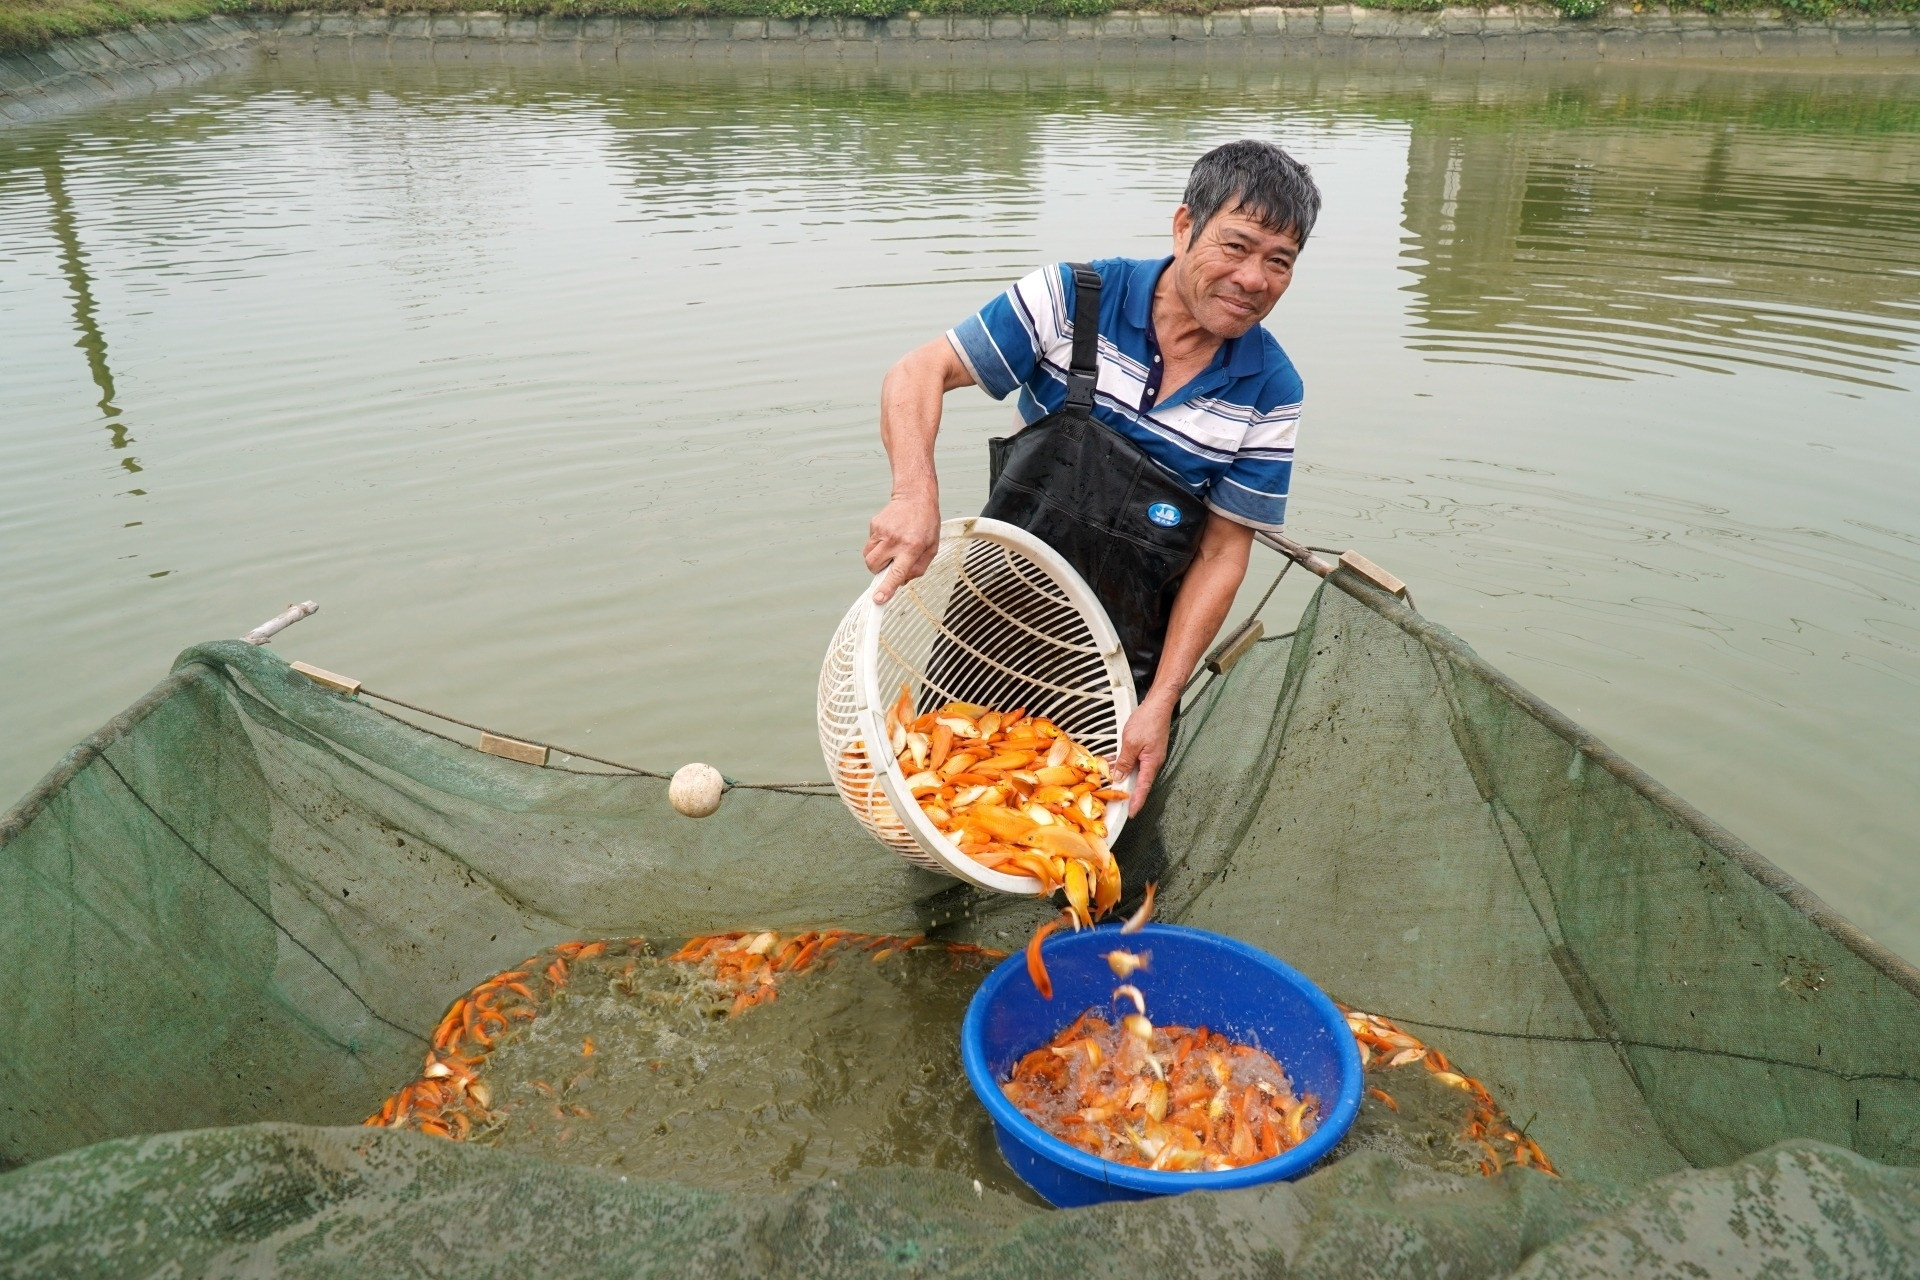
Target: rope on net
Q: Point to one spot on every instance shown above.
(798, 788)
(1294, 552)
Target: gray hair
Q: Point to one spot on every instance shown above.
(1261, 181)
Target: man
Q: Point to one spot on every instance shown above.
(1149, 469)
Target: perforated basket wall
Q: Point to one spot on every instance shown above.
(998, 619)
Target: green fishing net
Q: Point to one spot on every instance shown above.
(233, 918)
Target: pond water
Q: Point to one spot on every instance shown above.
(555, 386)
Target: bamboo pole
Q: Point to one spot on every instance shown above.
(273, 626)
(1296, 552)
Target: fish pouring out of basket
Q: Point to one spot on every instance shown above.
(1013, 792)
(970, 722)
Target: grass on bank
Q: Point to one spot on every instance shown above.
(31, 24)
(34, 24)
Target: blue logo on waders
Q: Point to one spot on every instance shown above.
(1164, 514)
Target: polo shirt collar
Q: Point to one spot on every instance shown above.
(1241, 356)
(1136, 300)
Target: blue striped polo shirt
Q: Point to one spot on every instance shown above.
(1227, 435)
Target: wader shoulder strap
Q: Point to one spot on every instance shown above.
(1084, 373)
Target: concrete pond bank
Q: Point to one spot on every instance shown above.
(74, 72)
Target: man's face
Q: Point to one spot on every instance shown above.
(1233, 274)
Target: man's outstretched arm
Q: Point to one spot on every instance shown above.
(1205, 597)
(906, 533)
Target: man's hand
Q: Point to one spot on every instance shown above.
(906, 533)
(1198, 611)
(1143, 748)
(902, 540)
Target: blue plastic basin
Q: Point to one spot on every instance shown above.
(1196, 978)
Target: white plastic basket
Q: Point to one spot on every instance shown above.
(998, 619)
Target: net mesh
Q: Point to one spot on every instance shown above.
(241, 909)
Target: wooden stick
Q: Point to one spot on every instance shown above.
(1294, 551)
(273, 626)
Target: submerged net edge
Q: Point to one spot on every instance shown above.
(1758, 866)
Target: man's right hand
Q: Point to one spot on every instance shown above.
(906, 533)
(902, 540)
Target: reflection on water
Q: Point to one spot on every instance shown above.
(556, 387)
(91, 340)
(1637, 247)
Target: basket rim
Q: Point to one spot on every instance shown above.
(869, 706)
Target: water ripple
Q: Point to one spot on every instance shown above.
(1560, 250)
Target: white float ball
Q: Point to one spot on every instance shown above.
(696, 790)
